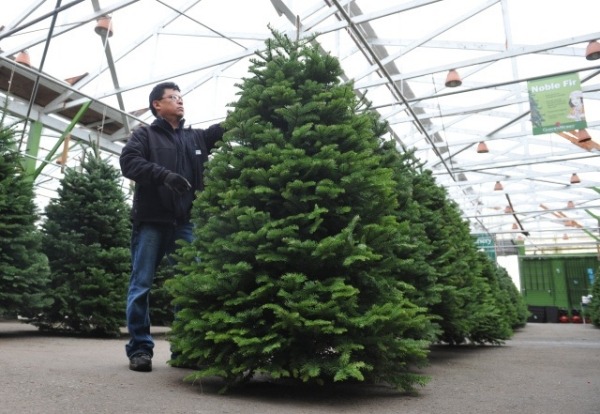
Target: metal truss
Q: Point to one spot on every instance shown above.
(397, 53)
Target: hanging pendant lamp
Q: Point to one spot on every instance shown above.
(583, 136)
(482, 148)
(104, 26)
(453, 79)
(23, 58)
(592, 51)
(575, 179)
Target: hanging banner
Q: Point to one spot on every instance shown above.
(556, 104)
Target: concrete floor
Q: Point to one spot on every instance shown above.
(545, 369)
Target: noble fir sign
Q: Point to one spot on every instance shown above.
(556, 104)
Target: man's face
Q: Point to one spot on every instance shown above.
(170, 105)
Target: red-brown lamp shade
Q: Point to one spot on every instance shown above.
(104, 26)
(592, 51)
(575, 179)
(23, 58)
(453, 79)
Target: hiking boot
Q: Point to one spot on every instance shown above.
(140, 362)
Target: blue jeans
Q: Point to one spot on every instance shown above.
(149, 244)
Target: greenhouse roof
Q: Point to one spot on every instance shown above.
(511, 56)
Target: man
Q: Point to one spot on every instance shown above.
(166, 162)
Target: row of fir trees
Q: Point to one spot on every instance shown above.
(322, 253)
(68, 272)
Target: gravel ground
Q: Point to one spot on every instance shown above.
(545, 369)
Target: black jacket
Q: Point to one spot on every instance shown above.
(151, 153)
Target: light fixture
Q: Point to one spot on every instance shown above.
(453, 79)
(23, 58)
(592, 51)
(575, 179)
(570, 204)
(583, 136)
(482, 148)
(104, 26)
(498, 186)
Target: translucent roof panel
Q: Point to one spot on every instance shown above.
(397, 52)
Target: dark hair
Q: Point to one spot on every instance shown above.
(158, 91)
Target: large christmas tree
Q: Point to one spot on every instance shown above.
(298, 238)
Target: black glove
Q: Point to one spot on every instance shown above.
(177, 183)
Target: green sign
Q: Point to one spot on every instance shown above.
(486, 243)
(556, 104)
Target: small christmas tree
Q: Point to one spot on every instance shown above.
(161, 309)
(23, 267)
(297, 237)
(86, 239)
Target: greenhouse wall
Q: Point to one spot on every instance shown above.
(553, 286)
